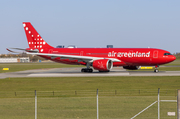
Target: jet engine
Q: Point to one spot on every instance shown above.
(131, 67)
(103, 65)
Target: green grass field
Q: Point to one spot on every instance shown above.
(28, 66)
(89, 83)
(75, 97)
(176, 62)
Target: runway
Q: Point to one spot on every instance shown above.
(76, 72)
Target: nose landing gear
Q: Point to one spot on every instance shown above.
(156, 69)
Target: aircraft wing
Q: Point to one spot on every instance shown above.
(73, 57)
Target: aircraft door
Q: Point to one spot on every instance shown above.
(155, 54)
(81, 53)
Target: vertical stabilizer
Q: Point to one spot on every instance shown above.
(35, 41)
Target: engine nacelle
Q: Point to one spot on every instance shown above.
(131, 67)
(103, 65)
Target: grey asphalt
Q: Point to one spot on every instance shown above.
(76, 72)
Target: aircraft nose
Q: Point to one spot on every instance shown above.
(172, 58)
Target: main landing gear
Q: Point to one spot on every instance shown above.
(104, 71)
(156, 69)
(87, 70)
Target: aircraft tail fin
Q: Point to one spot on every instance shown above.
(35, 41)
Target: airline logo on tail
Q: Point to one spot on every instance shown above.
(35, 41)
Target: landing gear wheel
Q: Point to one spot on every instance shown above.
(87, 70)
(156, 70)
(82, 70)
(103, 71)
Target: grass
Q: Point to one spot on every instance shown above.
(75, 97)
(84, 108)
(79, 107)
(176, 62)
(28, 66)
(88, 83)
(178, 57)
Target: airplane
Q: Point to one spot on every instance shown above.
(102, 59)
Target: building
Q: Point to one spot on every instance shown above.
(14, 60)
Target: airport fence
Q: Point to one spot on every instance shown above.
(76, 104)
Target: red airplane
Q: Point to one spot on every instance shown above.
(102, 59)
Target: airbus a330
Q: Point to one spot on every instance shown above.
(102, 59)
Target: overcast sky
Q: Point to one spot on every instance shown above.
(93, 23)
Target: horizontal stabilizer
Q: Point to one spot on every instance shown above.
(33, 51)
(12, 51)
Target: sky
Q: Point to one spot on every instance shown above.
(93, 23)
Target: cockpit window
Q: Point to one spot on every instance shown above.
(167, 54)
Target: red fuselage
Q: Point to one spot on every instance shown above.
(126, 56)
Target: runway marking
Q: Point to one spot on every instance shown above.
(77, 74)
